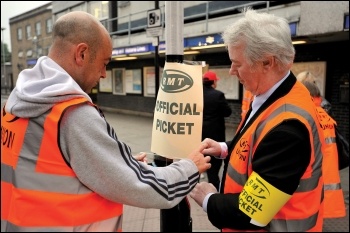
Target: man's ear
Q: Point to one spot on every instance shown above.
(269, 62)
(80, 53)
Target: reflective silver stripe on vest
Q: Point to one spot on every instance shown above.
(311, 183)
(292, 225)
(336, 186)
(108, 225)
(25, 168)
(66, 184)
(330, 140)
(241, 179)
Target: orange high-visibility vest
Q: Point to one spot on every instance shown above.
(39, 190)
(304, 210)
(334, 205)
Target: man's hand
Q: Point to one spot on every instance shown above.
(201, 189)
(201, 161)
(213, 147)
(142, 157)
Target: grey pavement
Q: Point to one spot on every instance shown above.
(136, 131)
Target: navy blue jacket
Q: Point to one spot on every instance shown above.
(215, 110)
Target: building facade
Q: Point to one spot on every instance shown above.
(30, 38)
(137, 29)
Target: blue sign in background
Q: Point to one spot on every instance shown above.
(189, 42)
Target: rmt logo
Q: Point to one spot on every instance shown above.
(174, 81)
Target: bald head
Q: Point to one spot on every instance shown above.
(78, 27)
(82, 47)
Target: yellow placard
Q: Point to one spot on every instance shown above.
(178, 114)
(260, 200)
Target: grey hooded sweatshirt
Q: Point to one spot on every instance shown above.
(101, 161)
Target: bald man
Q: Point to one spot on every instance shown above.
(63, 168)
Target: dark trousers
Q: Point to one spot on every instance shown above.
(213, 171)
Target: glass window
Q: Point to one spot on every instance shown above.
(149, 80)
(29, 53)
(133, 81)
(19, 34)
(99, 9)
(49, 25)
(118, 81)
(39, 52)
(104, 8)
(20, 54)
(123, 3)
(106, 83)
(80, 7)
(38, 28)
(28, 32)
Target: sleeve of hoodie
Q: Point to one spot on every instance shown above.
(104, 164)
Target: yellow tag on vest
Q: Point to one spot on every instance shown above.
(260, 200)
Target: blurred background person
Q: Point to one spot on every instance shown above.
(334, 205)
(323, 102)
(215, 110)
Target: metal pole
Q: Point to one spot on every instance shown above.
(178, 218)
(156, 59)
(174, 41)
(4, 57)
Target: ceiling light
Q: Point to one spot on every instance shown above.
(299, 42)
(116, 56)
(185, 52)
(125, 58)
(191, 52)
(140, 54)
(208, 46)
